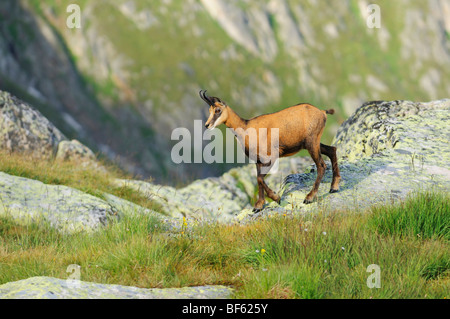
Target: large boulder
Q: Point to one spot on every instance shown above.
(386, 151)
(408, 127)
(54, 288)
(24, 129)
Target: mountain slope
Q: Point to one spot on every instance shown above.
(140, 64)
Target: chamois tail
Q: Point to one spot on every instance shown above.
(330, 111)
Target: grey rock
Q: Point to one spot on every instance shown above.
(74, 151)
(54, 288)
(64, 208)
(381, 125)
(217, 199)
(250, 28)
(24, 129)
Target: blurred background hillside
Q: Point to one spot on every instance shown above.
(131, 74)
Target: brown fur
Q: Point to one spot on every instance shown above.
(300, 127)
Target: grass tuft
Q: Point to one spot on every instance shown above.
(425, 215)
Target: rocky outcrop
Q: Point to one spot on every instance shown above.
(25, 130)
(69, 210)
(214, 199)
(409, 127)
(54, 288)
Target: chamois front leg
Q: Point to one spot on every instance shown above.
(270, 193)
(320, 164)
(261, 198)
(263, 187)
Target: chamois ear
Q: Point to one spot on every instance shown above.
(216, 99)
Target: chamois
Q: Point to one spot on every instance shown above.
(299, 127)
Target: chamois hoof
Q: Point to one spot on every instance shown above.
(334, 190)
(257, 210)
(307, 201)
(277, 199)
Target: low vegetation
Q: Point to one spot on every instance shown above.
(316, 256)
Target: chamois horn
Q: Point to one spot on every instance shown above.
(205, 97)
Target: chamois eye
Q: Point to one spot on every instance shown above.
(218, 111)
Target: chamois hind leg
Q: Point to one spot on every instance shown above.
(330, 151)
(320, 164)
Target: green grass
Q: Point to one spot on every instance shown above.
(320, 256)
(409, 218)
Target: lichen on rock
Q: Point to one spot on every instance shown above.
(74, 151)
(24, 129)
(64, 208)
(215, 199)
(380, 125)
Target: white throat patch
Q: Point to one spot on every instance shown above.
(215, 123)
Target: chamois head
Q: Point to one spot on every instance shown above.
(218, 110)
